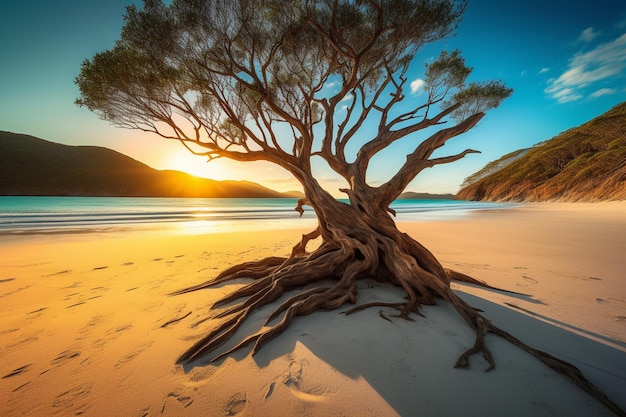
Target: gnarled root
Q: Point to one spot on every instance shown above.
(293, 273)
(326, 280)
(564, 368)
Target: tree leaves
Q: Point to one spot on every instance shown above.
(230, 75)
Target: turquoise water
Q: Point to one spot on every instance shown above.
(58, 214)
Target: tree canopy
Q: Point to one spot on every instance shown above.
(285, 82)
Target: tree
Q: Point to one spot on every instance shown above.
(248, 80)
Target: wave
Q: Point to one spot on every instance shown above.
(40, 214)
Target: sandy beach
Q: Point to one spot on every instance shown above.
(87, 326)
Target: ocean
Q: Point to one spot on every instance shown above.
(32, 215)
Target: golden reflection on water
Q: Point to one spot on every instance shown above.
(202, 226)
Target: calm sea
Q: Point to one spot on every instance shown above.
(193, 215)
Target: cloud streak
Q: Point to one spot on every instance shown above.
(588, 35)
(603, 92)
(604, 63)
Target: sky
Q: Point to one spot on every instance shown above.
(565, 60)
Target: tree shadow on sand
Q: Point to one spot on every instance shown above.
(409, 364)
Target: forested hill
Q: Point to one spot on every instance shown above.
(32, 166)
(586, 163)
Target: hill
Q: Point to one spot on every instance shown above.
(586, 163)
(33, 166)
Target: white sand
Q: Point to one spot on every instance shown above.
(82, 325)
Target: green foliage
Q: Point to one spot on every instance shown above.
(258, 56)
(225, 77)
(584, 163)
(478, 98)
(446, 73)
(494, 166)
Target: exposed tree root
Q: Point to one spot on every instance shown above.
(326, 280)
(564, 368)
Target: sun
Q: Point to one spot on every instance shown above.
(195, 165)
(224, 169)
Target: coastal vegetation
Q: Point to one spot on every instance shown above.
(585, 163)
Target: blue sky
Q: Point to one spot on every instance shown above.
(566, 61)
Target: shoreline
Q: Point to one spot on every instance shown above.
(88, 327)
(44, 215)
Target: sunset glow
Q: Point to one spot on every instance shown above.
(195, 165)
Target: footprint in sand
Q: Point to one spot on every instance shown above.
(270, 391)
(15, 291)
(20, 387)
(294, 376)
(38, 311)
(64, 356)
(120, 329)
(76, 305)
(294, 382)
(17, 371)
(180, 399)
(132, 355)
(111, 334)
(27, 339)
(236, 404)
(590, 278)
(66, 271)
(73, 399)
(529, 279)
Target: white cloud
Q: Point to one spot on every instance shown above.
(588, 35)
(417, 86)
(566, 95)
(605, 62)
(602, 92)
(544, 70)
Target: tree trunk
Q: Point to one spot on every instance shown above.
(359, 241)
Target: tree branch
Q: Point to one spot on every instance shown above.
(418, 159)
